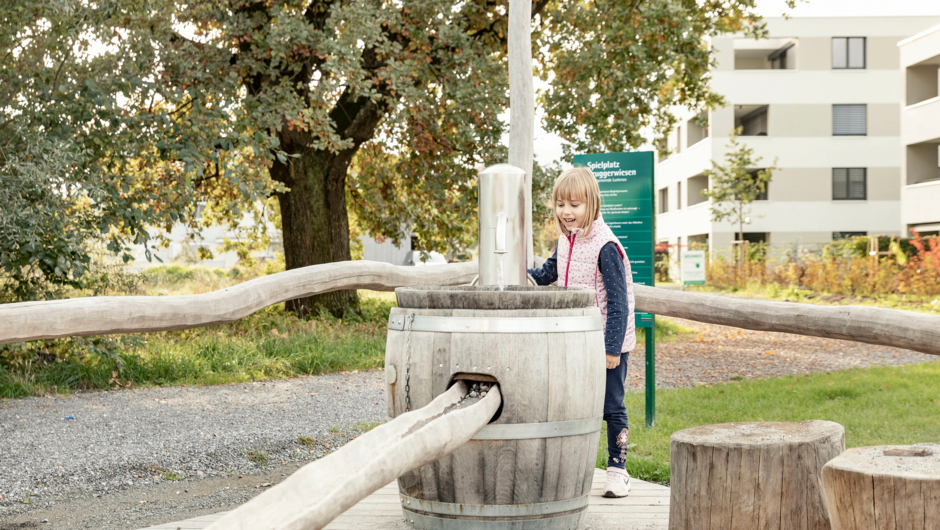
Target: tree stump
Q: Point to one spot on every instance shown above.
(751, 476)
(892, 486)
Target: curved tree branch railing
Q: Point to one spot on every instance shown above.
(137, 314)
(872, 325)
(104, 315)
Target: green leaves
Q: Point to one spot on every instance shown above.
(736, 184)
(616, 68)
(110, 126)
(144, 111)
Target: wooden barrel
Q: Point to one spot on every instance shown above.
(534, 464)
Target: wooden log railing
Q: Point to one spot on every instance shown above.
(872, 325)
(136, 314)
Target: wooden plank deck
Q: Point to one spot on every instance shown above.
(646, 508)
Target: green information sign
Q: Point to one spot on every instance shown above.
(626, 183)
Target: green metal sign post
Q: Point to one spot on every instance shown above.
(626, 183)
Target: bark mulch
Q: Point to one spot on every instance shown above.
(719, 353)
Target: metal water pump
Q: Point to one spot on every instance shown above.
(503, 234)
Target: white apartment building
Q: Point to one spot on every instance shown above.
(920, 133)
(822, 97)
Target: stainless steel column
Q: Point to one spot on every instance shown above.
(502, 226)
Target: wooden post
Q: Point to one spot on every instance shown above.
(751, 475)
(746, 260)
(740, 255)
(522, 104)
(884, 487)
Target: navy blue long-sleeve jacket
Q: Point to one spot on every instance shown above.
(613, 273)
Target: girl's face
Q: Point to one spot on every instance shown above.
(570, 213)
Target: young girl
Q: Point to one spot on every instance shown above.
(589, 255)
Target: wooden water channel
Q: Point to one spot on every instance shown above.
(646, 508)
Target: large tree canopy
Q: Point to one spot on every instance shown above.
(139, 110)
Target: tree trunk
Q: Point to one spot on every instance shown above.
(751, 475)
(315, 224)
(884, 487)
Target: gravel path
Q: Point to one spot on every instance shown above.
(133, 440)
(108, 467)
(718, 353)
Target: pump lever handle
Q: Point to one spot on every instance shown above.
(502, 221)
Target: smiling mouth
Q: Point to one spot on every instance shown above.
(569, 221)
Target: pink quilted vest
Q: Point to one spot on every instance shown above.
(579, 269)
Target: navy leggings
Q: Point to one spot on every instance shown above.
(615, 414)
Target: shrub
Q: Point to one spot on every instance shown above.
(840, 269)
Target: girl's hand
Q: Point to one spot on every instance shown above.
(613, 361)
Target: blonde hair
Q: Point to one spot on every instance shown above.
(577, 184)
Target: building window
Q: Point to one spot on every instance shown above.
(848, 52)
(849, 120)
(847, 235)
(755, 237)
(679, 195)
(664, 200)
(762, 196)
(755, 123)
(751, 119)
(849, 184)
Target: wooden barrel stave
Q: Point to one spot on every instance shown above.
(543, 378)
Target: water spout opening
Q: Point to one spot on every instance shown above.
(471, 379)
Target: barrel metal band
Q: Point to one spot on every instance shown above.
(493, 510)
(548, 429)
(441, 324)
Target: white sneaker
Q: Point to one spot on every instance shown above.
(618, 483)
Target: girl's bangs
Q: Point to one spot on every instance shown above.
(572, 188)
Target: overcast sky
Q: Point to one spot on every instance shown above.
(852, 8)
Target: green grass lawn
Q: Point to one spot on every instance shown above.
(270, 344)
(876, 406)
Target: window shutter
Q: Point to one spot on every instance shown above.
(849, 183)
(755, 124)
(840, 178)
(849, 120)
(857, 186)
